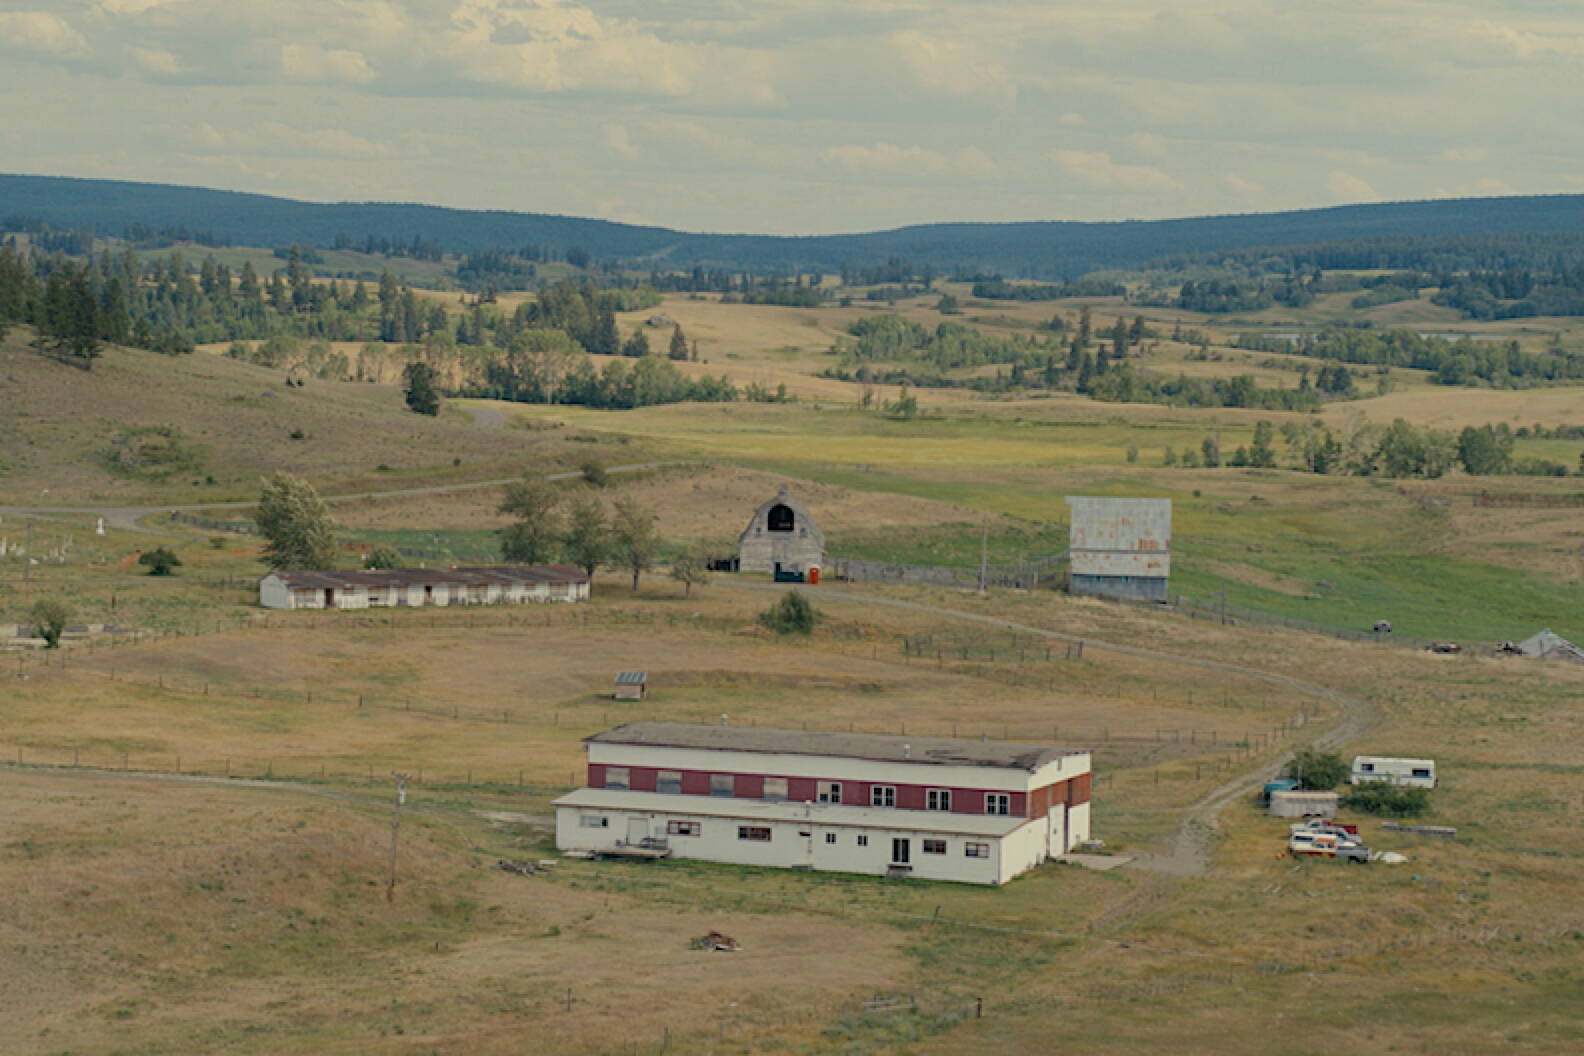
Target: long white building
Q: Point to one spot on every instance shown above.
(978, 812)
(374, 588)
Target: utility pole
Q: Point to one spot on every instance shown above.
(27, 565)
(401, 797)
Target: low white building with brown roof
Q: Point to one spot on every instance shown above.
(393, 587)
(977, 812)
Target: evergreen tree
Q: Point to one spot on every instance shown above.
(418, 388)
(637, 345)
(295, 524)
(70, 324)
(679, 345)
(606, 340)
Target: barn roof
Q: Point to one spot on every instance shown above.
(472, 576)
(942, 751)
(784, 497)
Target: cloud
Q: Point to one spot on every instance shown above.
(40, 32)
(889, 158)
(1242, 185)
(1350, 188)
(309, 64)
(275, 139)
(1096, 169)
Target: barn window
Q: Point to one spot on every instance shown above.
(830, 791)
(937, 799)
(616, 777)
(863, 841)
(998, 803)
(669, 781)
(775, 788)
(830, 837)
(757, 833)
(780, 518)
(684, 828)
(976, 850)
(934, 846)
(882, 795)
(723, 785)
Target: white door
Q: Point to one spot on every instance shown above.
(1058, 830)
(637, 830)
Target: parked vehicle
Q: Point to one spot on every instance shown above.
(1335, 828)
(1327, 845)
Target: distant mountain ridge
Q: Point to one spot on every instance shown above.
(1039, 249)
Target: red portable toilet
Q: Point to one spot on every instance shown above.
(813, 574)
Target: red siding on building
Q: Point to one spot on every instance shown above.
(1078, 790)
(806, 789)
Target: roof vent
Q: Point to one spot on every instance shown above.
(907, 751)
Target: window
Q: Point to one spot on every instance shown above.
(723, 785)
(595, 821)
(998, 803)
(780, 518)
(882, 795)
(830, 837)
(669, 781)
(863, 841)
(616, 777)
(934, 846)
(976, 850)
(1368, 768)
(757, 833)
(775, 788)
(1420, 771)
(829, 791)
(937, 799)
(684, 828)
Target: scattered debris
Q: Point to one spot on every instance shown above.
(1548, 643)
(1388, 858)
(1444, 832)
(1382, 627)
(1444, 647)
(716, 942)
(512, 865)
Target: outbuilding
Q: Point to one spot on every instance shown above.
(631, 685)
(404, 587)
(1299, 803)
(978, 812)
(1385, 769)
(782, 539)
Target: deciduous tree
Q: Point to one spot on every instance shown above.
(635, 541)
(535, 531)
(295, 524)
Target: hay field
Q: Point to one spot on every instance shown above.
(1453, 408)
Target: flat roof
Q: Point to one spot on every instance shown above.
(942, 751)
(473, 576)
(925, 821)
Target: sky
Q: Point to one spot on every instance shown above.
(804, 116)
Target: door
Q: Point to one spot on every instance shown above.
(329, 599)
(900, 852)
(637, 830)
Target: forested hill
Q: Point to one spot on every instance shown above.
(1034, 249)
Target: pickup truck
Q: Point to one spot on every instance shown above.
(1336, 828)
(1327, 845)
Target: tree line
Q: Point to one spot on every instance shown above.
(1465, 362)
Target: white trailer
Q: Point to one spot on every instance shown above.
(1414, 773)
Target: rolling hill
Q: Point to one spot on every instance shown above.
(1033, 249)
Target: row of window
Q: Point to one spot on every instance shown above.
(762, 834)
(775, 789)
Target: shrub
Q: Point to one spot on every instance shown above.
(594, 473)
(49, 620)
(1388, 801)
(1320, 771)
(161, 561)
(791, 614)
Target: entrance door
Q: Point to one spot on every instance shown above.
(900, 852)
(637, 830)
(428, 595)
(329, 601)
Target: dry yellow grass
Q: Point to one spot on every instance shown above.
(1449, 408)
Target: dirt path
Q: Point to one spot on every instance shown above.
(127, 518)
(1189, 851)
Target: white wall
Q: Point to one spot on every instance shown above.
(273, 593)
(788, 847)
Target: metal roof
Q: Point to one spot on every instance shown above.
(471, 576)
(944, 823)
(631, 678)
(943, 751)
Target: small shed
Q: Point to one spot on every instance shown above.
(632, 685)
(1293, 803)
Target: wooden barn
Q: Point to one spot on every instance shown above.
(782, 539)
